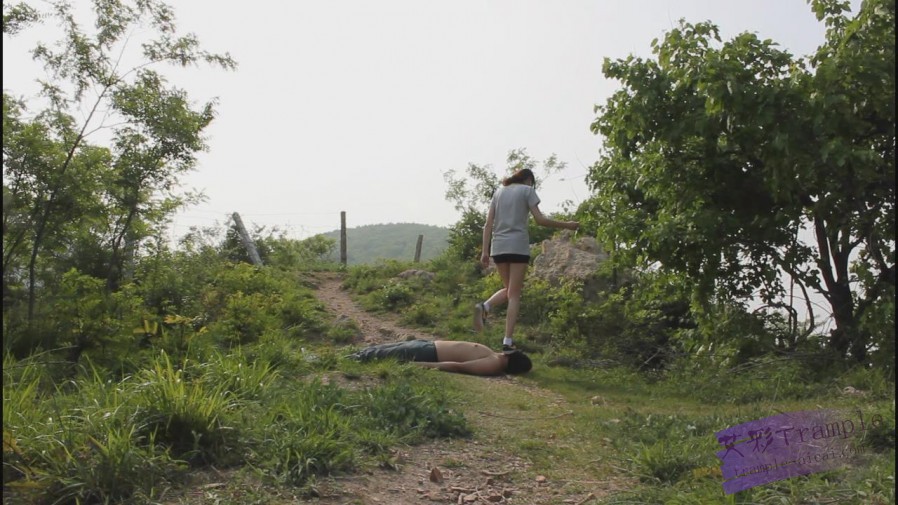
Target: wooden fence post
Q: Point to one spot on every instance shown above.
(343, 254)
(418, 248)
(247, 241)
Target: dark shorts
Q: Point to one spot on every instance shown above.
(511, 258)
(411, 350)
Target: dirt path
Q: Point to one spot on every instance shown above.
(460, 471)
(375, 329)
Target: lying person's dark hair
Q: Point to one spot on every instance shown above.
(518, 362)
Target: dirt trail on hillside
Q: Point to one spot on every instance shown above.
(375, 329)
(468, 471)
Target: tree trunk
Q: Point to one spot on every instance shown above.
(114, 275)
(833, 261)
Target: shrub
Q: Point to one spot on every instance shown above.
(300, 313)
(364, 279)
(244, 318)
(395, 294)
(81, 443)
(307, 436)
(86, 316)
(108, 467)
(188, 415)
(413, 412)
(421, 314)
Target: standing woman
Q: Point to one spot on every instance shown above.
(506, 239)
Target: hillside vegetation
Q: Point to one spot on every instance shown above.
(131, 365)
(393, 241)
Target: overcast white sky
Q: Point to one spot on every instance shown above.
(361, 106)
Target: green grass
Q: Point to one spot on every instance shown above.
(280, 410)
(653, 433)
(98, 440)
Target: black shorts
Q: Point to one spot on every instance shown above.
(511, 258)
(410, 350)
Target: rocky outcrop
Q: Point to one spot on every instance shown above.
(417, 274)
(562, 258)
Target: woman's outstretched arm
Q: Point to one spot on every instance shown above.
(551, 223)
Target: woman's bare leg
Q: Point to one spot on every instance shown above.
(514, 287)
(501, 296)
(498, 298)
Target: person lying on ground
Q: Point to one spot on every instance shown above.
(450, 356)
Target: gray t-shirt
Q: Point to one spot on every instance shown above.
(511, 211)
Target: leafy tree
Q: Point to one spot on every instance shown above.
(718, 154)
(69, 196)
(472, 194)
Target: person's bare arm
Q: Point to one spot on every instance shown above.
(542, 220)
(487, 236)
(490, 365)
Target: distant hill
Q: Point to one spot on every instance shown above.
(373, 242)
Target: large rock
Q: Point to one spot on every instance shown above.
(419, 274)
(561, 258)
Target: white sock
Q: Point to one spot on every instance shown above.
(507, 341)
(486, 306)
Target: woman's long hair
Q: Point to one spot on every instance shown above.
(519, 177)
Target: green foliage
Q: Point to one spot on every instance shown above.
(297, 254)
(307, 436)
(633, 322)
(466, 235)
(77, 445)
(343, 332)
(880, 437)
(18, 17)
(244, 318)
(323, 429)
(454, 278)
(879, 321)
(95, 439)
(666, 463)
(187, 416)
(277, 250)
(718, 153)
(171, 281)
(395, 294)
(765, 378)
(381, 289)
(413, 412)
(246, 301)
(874, 382)
(73, 205)
(421, 314)
(110, 469)
(364, 279)
(84, 312)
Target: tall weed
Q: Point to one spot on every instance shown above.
(188, 416)
(80, 444)
(413, 412)
(306, 436)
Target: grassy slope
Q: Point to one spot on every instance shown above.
(637, 441)
(608, 432)
(631, 442)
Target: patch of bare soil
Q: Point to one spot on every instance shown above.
(457, 471)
